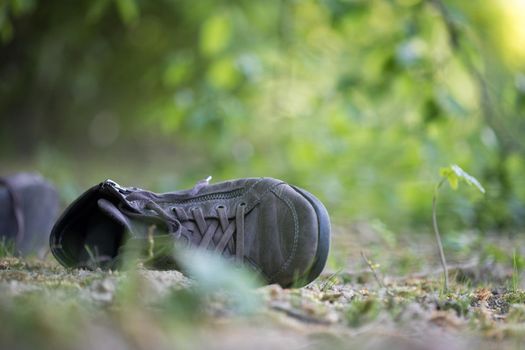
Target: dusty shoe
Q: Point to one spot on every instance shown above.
(28, 209)
(281, 231)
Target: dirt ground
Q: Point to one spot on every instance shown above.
(377, 292)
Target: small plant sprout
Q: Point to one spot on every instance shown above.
(373, 268)
(454, 175)
(515, 270)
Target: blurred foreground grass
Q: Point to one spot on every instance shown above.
(46, 306)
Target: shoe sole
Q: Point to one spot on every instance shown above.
(323, 242)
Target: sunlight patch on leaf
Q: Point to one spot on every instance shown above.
(454, 174)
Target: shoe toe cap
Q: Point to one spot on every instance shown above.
(290, 237)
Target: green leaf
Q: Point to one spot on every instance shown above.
(469, 179)
(128, 10)
(223, 74)
(453, 181)
(451, 177)
(213, 273)
(96, 10)
(454, 174)
(20, 7)
(215, 34)
(6, 28)
(178, 69)
(445, 172)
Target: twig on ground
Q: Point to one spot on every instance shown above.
(296, 314)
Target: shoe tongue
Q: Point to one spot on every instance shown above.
(134, 228)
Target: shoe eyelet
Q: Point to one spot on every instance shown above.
(220, 206)
(242, 204)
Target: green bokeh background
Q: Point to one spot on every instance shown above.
(361, 102)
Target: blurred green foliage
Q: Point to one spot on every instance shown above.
(359, 101)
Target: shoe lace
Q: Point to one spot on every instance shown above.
(231, 233)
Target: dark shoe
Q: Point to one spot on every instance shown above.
(281, 231)
(28, 209)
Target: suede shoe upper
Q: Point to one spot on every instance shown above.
(264, 223)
